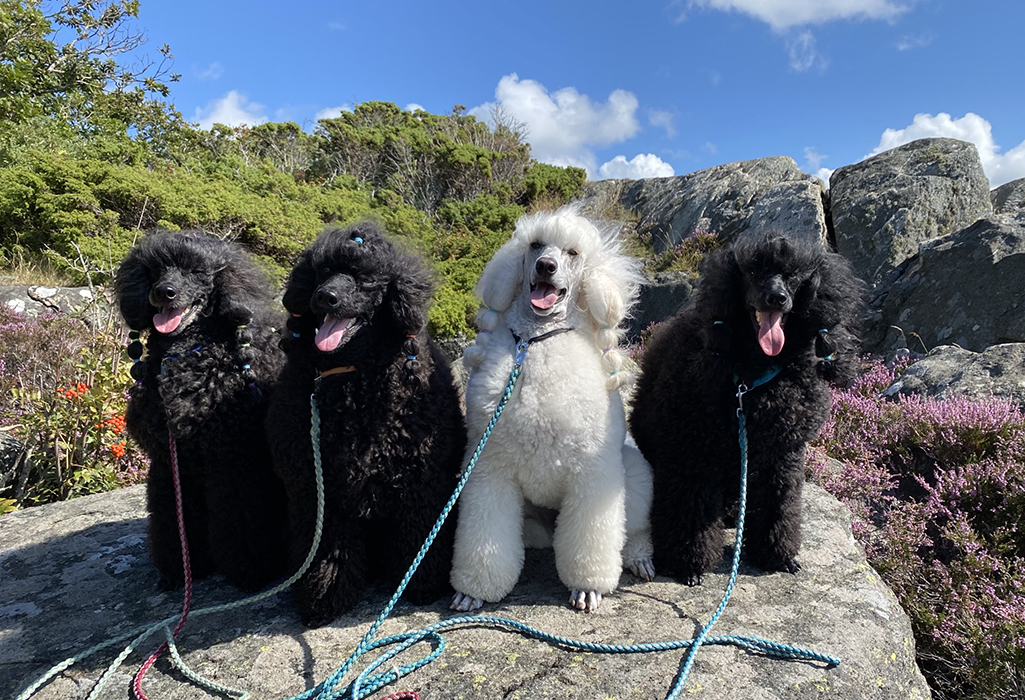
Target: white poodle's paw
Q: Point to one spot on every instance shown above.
(642, 567)
(588, 601)
(465, 603)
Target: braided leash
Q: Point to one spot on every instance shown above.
(141, 633)
(367, 681)
(186, 569)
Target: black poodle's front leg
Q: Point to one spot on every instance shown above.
(164, 539)
(409, 528)
(773, 525)
(338, 574)
(686, 526)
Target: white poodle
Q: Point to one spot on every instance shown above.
(563, 286)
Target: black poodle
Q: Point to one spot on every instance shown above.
(210, 358)
(392, 433)
(769, 302)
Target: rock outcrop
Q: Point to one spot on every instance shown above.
(33, 300)
(75, 573)
(1010, 199)
(726, 200)
(883, 207)
(963, 289)
(947, 371)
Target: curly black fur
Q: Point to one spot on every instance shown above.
(392, 431)
(204, 381)
(685, 409)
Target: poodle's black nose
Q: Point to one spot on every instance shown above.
(165, 291)
(326, 298)
(777, 298)
(546, 266)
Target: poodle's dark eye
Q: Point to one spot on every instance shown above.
(572, 252)
(326, 270)
(536, 245)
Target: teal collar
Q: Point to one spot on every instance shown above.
(743, 388)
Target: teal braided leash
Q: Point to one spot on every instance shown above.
(367, 681)
(141, 633)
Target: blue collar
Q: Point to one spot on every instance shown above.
(743, 388)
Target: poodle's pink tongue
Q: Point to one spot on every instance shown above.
(770, 332)
(544, 296)
(168, 319)
(330, 333)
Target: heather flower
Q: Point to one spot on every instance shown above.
(937, 489)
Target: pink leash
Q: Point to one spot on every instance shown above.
(187, 568)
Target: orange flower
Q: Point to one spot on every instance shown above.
(118, 449)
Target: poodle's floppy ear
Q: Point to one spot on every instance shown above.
(610, 288)
(299, 287)
(721, 289)
(132, 285)
(497, 287)
(242, 288)
(406, 298)
(408, 295)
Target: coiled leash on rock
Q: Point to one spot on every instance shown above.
(367, 681)
(139, 634)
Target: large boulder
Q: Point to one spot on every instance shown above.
(882, 208)
(1010, 199)
(75, 573)
(963, 289)
(726, 199)
(947, 371)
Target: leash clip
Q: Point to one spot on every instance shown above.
(741, 390)
(521, 353)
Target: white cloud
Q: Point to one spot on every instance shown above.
(234, 109)
(1000, 168)
(413, 106)
(824, 174)
(212, 72)
(783, 14)
(664, 120)
(920, 41)
(710, 147)
(813, 158)
(803, 54)
(332, 112)
(637, 168)
(564, 125)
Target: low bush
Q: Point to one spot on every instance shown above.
(938, 493)
(62, 395)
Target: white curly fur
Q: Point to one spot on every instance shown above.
(560, 442)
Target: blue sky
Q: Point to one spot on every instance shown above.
(642, 89)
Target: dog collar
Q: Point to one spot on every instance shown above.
(743, 387)
(344, 369)
(539, 338)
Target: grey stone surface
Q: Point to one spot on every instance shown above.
(726, 199)
(75, 573)
(1010, 199)
(33, 300)
(963, 289)
(947, 371)
(661, 296)
(883, 207)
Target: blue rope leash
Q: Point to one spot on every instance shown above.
(367, 681)
(141, 633)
